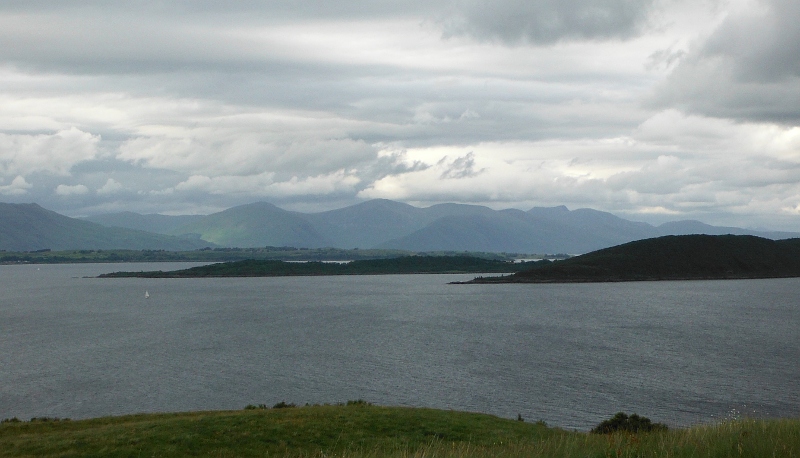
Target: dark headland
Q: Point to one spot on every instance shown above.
(685, 257)
(399, 265)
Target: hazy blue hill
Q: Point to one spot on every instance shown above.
(161, 224)
(468, 233)
(676, 257)
(28, 227)
(611, 226)
(256, 225)
(549, 212)
(368, 224)
(435, 212)
(371, 224)
(587, 218)
(387, 224)
(541, 230)
(499, 231)
(596, 229)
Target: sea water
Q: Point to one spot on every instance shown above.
(681, 353)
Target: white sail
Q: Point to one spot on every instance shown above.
(146, 295)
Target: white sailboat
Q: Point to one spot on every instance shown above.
(146, 295)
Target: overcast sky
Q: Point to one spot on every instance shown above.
(654, 110)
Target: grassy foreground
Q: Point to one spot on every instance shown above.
(371, 431)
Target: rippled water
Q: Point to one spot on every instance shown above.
(678, 352)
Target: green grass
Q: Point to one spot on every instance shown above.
(372, 431)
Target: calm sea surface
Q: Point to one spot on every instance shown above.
(678, 352)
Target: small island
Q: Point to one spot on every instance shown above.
(399, 265)
(684, 257)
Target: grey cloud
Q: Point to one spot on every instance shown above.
(394, 163)
(748, 70)
(320, 156)
(460, 167)
(665, 58)
(241, 10)
(548, 21)
(410, 107)
(764, 46)
(167, 36)
(665, 176)
(760, 173)
(136, 181)
(106, 43)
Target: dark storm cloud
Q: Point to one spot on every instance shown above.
(748, 70)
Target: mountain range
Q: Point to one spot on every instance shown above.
(387, 224)
(29, 227)
(373, 224)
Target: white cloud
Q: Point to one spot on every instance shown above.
(247, 143)
(24, 154)
(112, 186)
(265, 185)
(74, 190)
(337, 182)
(18, 186)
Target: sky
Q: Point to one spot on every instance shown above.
(654, 110)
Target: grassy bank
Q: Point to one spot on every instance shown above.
(370, 431)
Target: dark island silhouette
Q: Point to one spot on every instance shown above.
(399, 265)
(683, 257)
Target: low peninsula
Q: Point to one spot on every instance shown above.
(684, 257)
(400, 265)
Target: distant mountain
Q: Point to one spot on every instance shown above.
(29, 227)
(373, 223)
(674, 257)
(368, 224)
(469, 233)
(540, 230)
(254, 225)
(606, 228)
(160, 224)
(384, 223)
